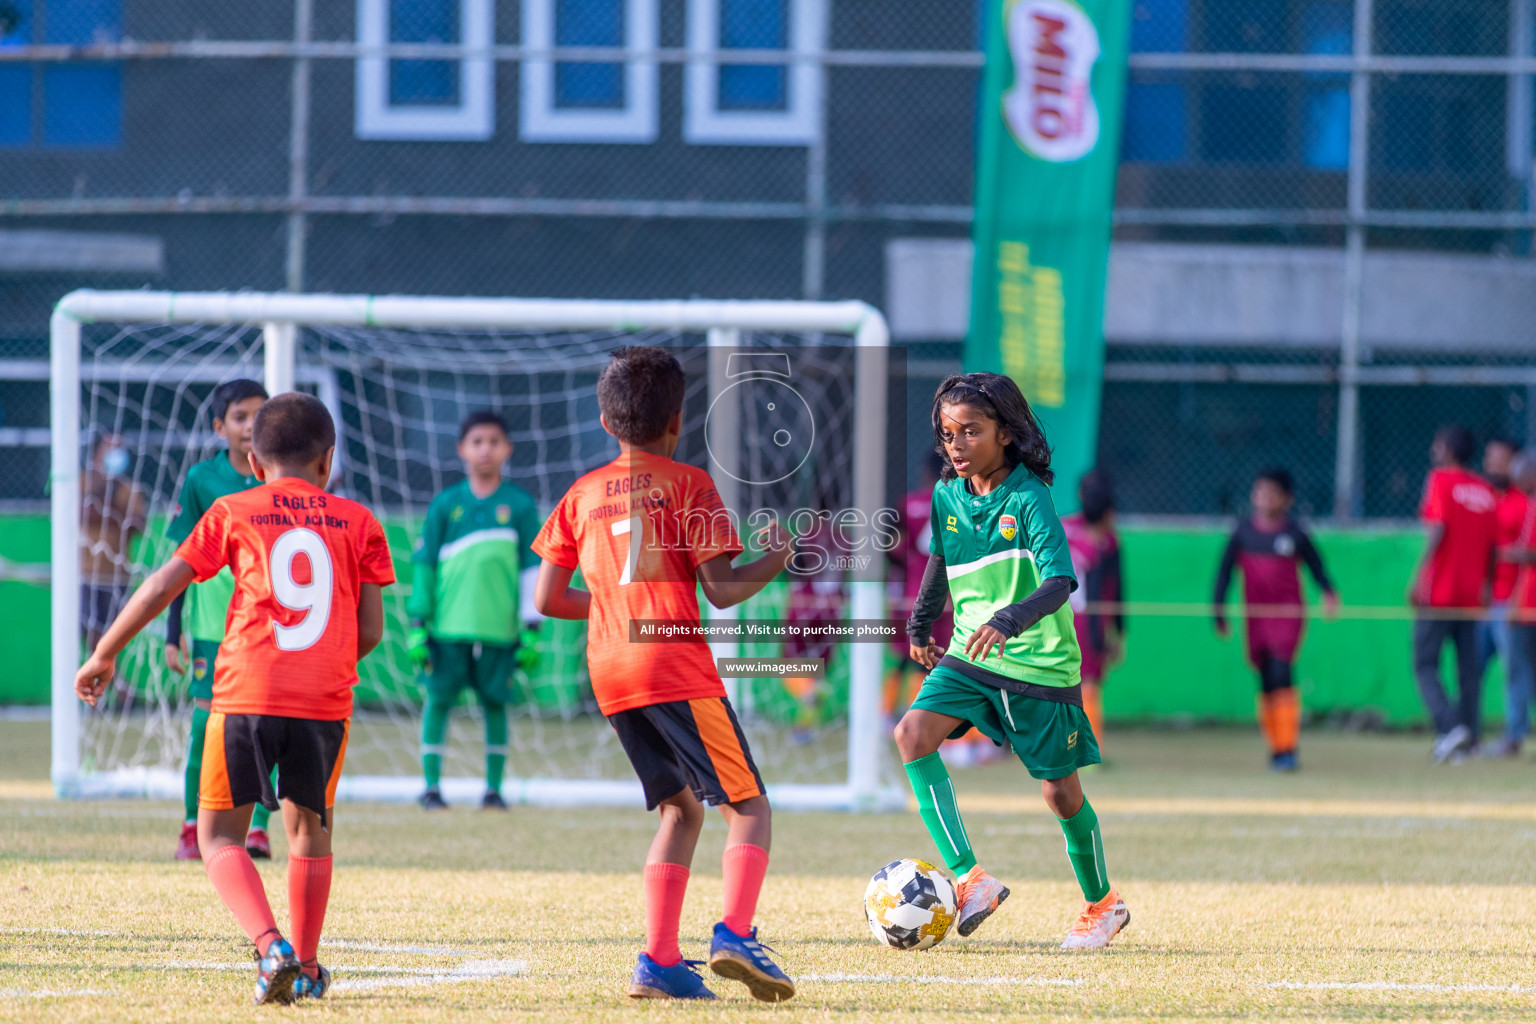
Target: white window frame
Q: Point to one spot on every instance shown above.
(473, 119)
(704, 123)
(635, 122)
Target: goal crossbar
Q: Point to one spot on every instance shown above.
(279, 314)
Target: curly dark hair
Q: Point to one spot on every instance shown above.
(639, 391)
(1000, 400)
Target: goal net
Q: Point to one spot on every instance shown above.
(786, 407)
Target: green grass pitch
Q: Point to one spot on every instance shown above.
(1370, 886)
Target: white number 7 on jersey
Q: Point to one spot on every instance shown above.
(631, 526)
(312, 598)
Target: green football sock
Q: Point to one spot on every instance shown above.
(1085, 849)
(495, 743)
(936, 803)
(260, 815)
(194, 762)
(434, 726)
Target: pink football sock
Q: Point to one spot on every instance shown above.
(235, 879)
(309, 889)
(744, 866)
(665, 886)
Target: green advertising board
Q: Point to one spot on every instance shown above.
(1052, 101)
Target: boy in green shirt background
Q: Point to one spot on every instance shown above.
(471, 606)
(195, 644)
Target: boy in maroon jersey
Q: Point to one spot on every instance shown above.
(1095, 551)
(1459, 511)
(1267, 545)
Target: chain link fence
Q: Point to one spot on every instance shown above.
(1324, 227)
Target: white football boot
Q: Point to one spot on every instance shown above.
(978, 894)
(1098, 923)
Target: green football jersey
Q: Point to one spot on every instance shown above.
(207, 603)
(468, 561)
(997, 548)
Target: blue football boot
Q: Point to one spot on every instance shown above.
(275, 973)
(746, 960)
(305, 987)
(680, 981)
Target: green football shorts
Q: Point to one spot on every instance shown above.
(1052, 739)
(484, 668)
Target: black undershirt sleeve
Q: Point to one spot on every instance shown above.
(1113, 571)
(173, 619)
(930, 601)
(1011, 620)
(1224, 578)
(1313, 561)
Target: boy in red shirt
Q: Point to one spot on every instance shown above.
(1454, 576)
(647, 532)
(308, 569)
(1493, 633)
(1521, 552)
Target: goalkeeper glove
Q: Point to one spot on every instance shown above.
(528, 649)
(419, 647)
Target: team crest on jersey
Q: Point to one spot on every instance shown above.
(1007, 526)
(199, 668)
(950, 525)
(503, 514)
(1285, 546)
(456, 514)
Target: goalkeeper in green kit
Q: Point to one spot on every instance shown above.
(472, 614)
(195, 644)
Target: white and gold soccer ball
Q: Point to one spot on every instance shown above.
(910, 904)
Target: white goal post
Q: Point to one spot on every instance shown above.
(280, 319)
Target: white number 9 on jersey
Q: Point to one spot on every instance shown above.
(313, 598)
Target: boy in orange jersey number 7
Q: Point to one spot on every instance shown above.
(308, 569)
(646, 532)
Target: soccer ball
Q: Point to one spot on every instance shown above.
(910, 904)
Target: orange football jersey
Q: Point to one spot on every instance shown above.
(638, 528)
(299, 557)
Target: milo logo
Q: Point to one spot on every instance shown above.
(1050, 109)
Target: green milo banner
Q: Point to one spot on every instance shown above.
(1052, 101)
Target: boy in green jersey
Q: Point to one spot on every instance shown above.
(1013, 668)
(196, 645)
(471, 605)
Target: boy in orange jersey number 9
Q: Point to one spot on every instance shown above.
(308, 569)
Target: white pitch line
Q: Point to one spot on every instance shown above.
(1393, 986)
(196, 965)
(55, 931)
(375, 947)
(472, 970)
(43, 993)
(934, 979)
